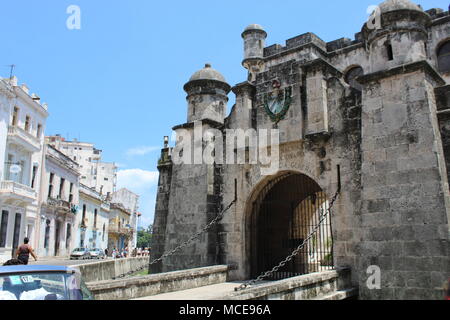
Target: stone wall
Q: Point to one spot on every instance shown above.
(106, 270)
(138, 287)
(308, 287)
(405, 198)
(386, 142)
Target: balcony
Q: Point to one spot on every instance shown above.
(60, 206)
(122, 231)
(11, 191)
(22, 138)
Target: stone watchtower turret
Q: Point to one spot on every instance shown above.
(179, 216)
(254, 42)
(404, 179)
(398, 36)
(207, 96)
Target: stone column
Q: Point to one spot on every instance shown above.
(244, 104)
(317, 103)
(161, 209)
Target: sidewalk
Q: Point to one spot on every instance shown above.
(52, 258)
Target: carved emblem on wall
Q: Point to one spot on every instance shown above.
(277, 102)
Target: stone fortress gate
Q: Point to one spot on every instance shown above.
(368, 117)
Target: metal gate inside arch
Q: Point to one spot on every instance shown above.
(284, 214)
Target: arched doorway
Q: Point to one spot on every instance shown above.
(284, 214)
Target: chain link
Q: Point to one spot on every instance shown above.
(196, 236)
(283, 263)
(184, 244)
(220, 217)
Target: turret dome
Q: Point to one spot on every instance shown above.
(208, 73)
(395, 5)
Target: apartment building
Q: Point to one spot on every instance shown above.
(22, 124)
(102, 176)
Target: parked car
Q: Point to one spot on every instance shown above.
(80, 254)
(34, 282)
(97, 254)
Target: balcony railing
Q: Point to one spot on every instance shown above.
(14, 189)
(115, 229)
(23, 138)
(60, 204)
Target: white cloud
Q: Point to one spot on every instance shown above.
(121, 165)
(144, 184)
(145, 221)
(137, 180)
(141, 151)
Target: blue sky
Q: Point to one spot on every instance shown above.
(118, 81)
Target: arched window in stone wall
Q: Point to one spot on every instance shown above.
(351, 75)
(443, 55)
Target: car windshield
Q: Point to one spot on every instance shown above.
(79, 250)
(42, 286)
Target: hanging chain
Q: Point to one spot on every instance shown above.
(267, 274)
(196, 236)
(184, 244)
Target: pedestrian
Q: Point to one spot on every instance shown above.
(23, 252)
(13, 262)
(106, 252)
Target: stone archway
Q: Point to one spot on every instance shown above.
(282, 214)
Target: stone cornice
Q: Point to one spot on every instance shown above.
(321, 64)
(244, 87)
(28, 99)
(422, 65)
(192, 87)
(190, 125)
(293, 50)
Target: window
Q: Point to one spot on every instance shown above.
(47, 234)
(3, 228)
(444, 58)
(50, 187)
(352, 75)
(71, 193)
(84, 214)
(61, 188)
(68, 235)
(95, 218)
(39, 130)
(15, 116)
(27, 123)
(390, 51)
(33, 177)
(103, 234)
(17, 226)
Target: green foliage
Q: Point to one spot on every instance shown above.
(144, 238)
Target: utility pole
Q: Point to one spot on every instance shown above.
(12, 70)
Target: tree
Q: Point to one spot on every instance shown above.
(144, 237)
